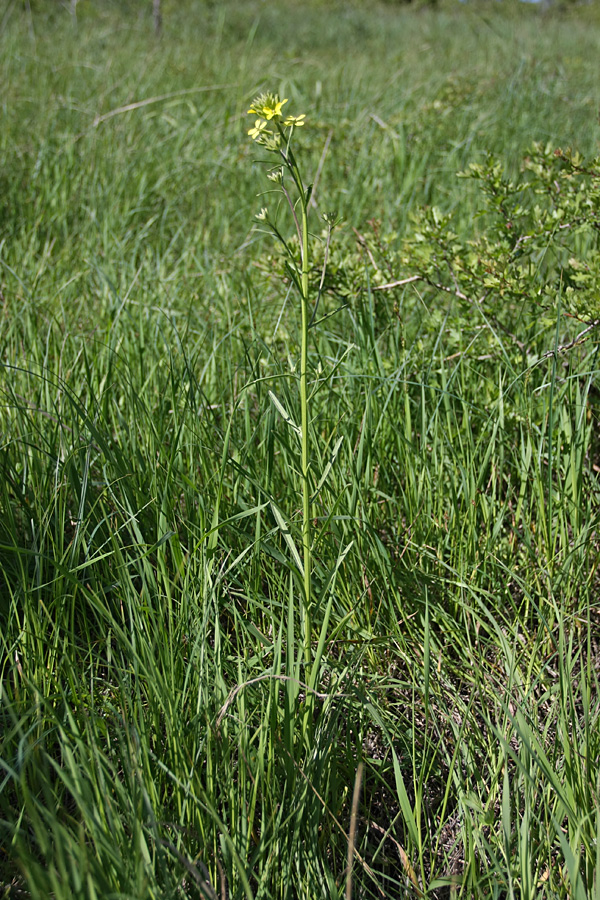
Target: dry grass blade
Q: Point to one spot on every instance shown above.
(352, 831)
(406, 864)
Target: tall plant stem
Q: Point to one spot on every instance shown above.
(304, 195)
(306, 536)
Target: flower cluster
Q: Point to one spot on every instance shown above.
(268, 108)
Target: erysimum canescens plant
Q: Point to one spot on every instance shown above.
(275, 132)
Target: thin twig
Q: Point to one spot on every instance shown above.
(158, 99)
(548, 233)
(321, 283)
(403, 857)
(352, 832)
(312, 202)
(205, 886)
(384, 125)
(455, 292)
(580, 339)
(157, 17)
(440, 287)
(367, 868)
(363, 243)
(393, 284)
(240, 687)
(223, 879)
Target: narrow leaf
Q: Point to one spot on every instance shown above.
(284, 413)
(287, 536)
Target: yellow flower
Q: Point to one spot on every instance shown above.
(295, 120)
(257, 132)
(274, 111)
(268, 106)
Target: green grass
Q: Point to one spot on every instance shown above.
(154, 737)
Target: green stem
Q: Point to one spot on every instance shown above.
(305, 439)
(292, 166)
